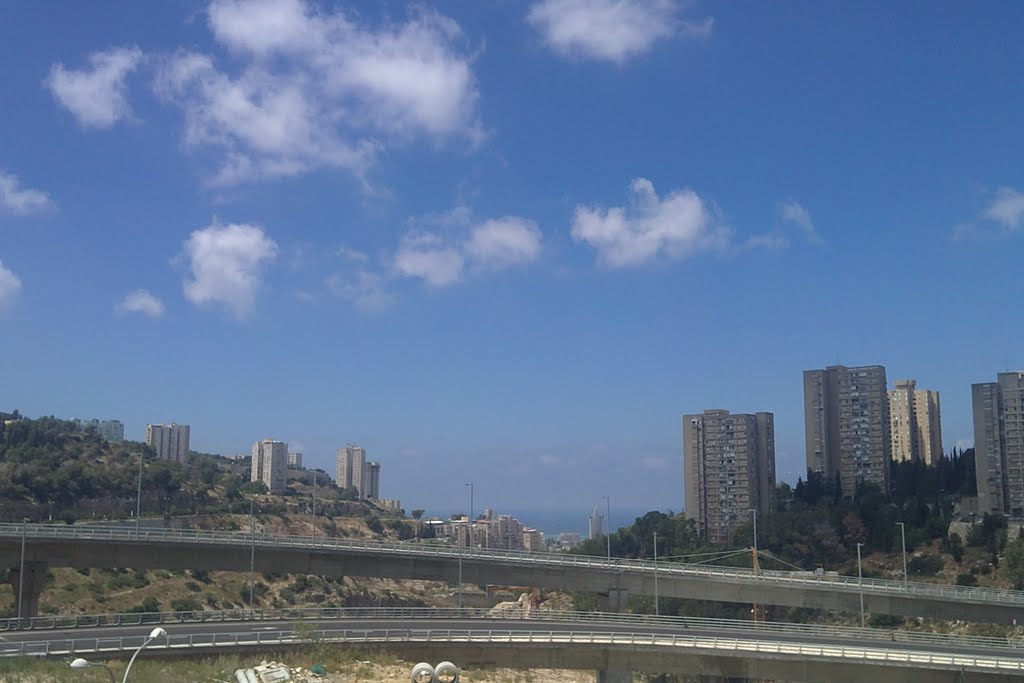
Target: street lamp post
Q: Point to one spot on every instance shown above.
(138, 499)
(860, 585)
(753, 513)
(608, 522)
(314, 506)
(903, 539)
(472, 522)
(252, 550)
(153, 635)
(656, 613)
(21, 571)
(85, 664)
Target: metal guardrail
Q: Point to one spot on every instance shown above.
(681, 643)
(316, 614)
(667, 570)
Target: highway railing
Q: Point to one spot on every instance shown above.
(128, 534)
(406, 614)
(680, 643)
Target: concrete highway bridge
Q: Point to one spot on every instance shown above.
(611, 644)
(615, 579)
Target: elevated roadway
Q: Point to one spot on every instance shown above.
(479, 638)
(95, 546)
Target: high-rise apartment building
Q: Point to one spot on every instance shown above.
(999, 443)
(846, 425)
(915, 423)
(352, 468)
(728, 469)
(294, 461)
(371, 487)
(270, 464)
(169, 441)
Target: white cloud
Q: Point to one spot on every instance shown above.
(673, 227)
(364, 290)
(10, 287)
(654, 463)
(486, 246)
(21, 200)
(794, 213)
(610, 30)
(318, 90)
(226, 263)
(425, 255)
(1007, 209)
(502, 242)
(96, 94)
(141, 301)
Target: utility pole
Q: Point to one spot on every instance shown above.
(656, 612)
(608, 523)
(314, 506)
(860, 585)
(903, 539)
(252, 551)
(21, 571)
(138, 499)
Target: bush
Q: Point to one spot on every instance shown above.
(885, 621)
(966, 580)
(925, 565)
(185, 605)
(147, 605)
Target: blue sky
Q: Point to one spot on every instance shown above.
(503, 242)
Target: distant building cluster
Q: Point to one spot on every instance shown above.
(109, 430)
(169, 441)
(355, 471)
(493, 531)
(854, 427)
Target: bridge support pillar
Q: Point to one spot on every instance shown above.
(614, 676)
(31, 587)
(617, 600)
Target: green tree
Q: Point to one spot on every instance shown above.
(1013, 563)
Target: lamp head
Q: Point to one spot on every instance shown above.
(80, 663)
(157, 633)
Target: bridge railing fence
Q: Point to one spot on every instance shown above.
(128, 534)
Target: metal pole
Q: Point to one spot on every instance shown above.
(472, 522)
(314, 506)
(656, 613)
(903, 539)
(860, 585)
(21, 571)
(608, 522)
(753, 512)
(252, 551)
(138, 499)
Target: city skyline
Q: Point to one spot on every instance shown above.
(513, 247)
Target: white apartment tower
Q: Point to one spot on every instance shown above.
(915, 420)
(352, 469)
(169, 441)
(999, 443)
(270, 464)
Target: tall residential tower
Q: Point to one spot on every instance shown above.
(352, 470)
(270, 464)
(728, 469)
(915, 423)
(999, 443)
(846, 425)
(169, 441)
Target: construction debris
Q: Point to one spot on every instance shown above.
(275, 672)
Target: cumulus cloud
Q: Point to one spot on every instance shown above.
(1007, 209)
(226, 264)
(140, 301)
(610, 30)
(1004, 214)
(426, 256)
(96, 95)
(485, 246)
(21, 200)
(10, 287)
(650, 227)
(317, 89)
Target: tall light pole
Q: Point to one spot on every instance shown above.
(153, 635)
(860, 585)
(608, 523)
(314, 506)
(252, 550)
(21, 571)
(138, 499)
(753, 513)
(656, 613)
(903, 539)
(472, 523)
